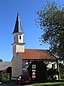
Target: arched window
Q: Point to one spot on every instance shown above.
(20, 37)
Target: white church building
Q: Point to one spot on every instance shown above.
(22, 56)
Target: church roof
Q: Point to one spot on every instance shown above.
(36, 54)
(18, 27)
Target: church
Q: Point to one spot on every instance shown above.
(23, 57)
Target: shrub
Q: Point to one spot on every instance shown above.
(4, 77)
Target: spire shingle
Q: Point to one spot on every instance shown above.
(18, 27)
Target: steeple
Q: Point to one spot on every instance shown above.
(18, 45)
(18, 27)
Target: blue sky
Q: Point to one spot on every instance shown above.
(27, 10)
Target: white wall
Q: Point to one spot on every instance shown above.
(19, 48)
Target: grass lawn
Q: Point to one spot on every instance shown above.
(49, 84)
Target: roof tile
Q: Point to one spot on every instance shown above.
(36, 54)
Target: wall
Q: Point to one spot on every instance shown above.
(16, 66)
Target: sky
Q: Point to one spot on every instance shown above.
(27, 10)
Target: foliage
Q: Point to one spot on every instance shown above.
(51, 73)
(1, 60)
(49, 84)
(61, 68)
(51, 21)
(4, 77)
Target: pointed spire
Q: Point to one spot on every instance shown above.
(18, 27)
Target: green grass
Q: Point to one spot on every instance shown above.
(49, 84)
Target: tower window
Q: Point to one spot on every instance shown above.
(20, 37)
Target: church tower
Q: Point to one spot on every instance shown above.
(18, 45)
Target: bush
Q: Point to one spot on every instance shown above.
(61, 68)
(4, 77)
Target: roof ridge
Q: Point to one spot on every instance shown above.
(36, 49)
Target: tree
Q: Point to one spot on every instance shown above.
(61, 66)
(1, 60)
(51, 21)
(51, 73)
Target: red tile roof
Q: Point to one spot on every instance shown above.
(36, 54)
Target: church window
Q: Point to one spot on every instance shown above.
(20, 37)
